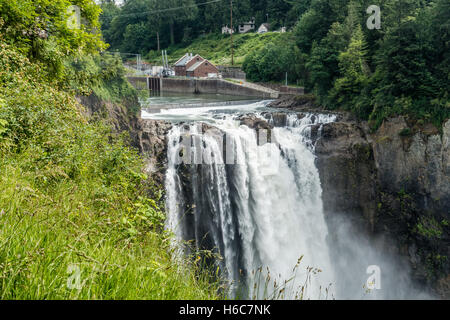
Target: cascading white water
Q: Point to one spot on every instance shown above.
(263, 212)
(258, 203)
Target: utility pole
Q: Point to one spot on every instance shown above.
(157, 37)
(231, 32)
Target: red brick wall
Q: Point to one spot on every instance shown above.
(204, 69)
(180, 71)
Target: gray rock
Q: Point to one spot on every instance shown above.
(388, 184)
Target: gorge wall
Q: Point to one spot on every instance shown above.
(393, 184)
(395, 188)
(148, 136)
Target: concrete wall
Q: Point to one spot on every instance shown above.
(139, 83)
(212, 86)
(232, 72)
(292, 90)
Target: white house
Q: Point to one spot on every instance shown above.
(226, 30)
(265, 27)
(247, 26)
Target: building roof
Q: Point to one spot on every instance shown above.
(198, 64)
(183, 60)
(195, 66)
(186, 59)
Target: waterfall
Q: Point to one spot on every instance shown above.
(262, 212)
(254, 198)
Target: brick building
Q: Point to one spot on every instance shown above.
(194, 66)
(185, 62)
(202, 69)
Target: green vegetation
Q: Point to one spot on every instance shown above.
(406, 132)
(78, 217)
(428, 227)
(401, 69)
(217, 48)
(271, 61)
(138, 24)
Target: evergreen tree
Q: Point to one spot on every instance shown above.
(355, 73)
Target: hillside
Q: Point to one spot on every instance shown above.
(217, 48)
(79, 217)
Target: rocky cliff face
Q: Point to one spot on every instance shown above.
(395, 185)
(148, 136)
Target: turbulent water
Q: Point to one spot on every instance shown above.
(255, 198)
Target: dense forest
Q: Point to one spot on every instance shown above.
(136, 25)
(400, 68)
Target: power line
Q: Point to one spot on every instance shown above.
(168, 9)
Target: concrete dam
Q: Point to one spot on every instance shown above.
(203, 86)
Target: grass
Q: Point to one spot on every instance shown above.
(217, 48)
(45, 237)
(79, 219)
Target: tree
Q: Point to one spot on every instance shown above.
(355, 74)
(28, 22)
(109, 11)
(273, 61)
(323, 62)
(133, 12)
(314, 24)
(172, 12)
(298, 8)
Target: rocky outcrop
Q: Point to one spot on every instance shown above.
(148, 136)
(393, 183)
(254, 122)
(346, 164)
(307, 104)
(152, 142)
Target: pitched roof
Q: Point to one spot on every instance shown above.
(198, 64)
(195, 66)
(186, 59)
(183, 60)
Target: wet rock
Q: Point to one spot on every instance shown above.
(279, 119)
(254, 122)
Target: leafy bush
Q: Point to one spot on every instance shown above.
(39, 29)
